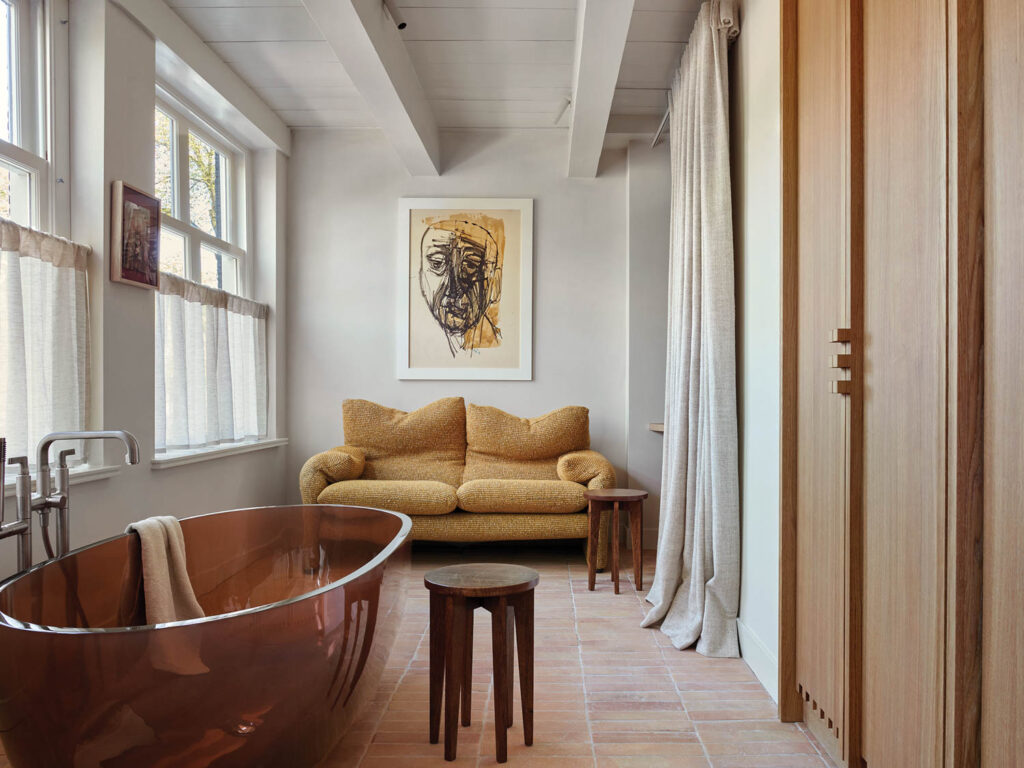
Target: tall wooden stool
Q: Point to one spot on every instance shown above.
(455, 592)
(634, 501)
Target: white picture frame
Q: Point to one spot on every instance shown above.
(426, 333)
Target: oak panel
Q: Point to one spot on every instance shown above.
(822, 305)
(905, 397)
(1002, 739)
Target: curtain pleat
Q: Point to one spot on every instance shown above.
(211, 378)
(44, 337)
(695, 591)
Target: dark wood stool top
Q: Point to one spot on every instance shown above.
(615, 494)
(481, 580)
(633, 500)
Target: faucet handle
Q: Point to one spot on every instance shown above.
(62, 458)
(19, 461)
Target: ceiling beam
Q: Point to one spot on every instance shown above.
(369, 47)
(601, 29)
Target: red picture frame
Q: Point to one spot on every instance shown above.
(134, 237)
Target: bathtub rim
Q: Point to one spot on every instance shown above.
(397, 541)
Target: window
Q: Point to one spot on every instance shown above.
(25, 168)
(211, 361)
(44, 361)
(200, 180)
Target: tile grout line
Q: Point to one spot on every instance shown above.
(398, 684)
(818, 748)
(579, 655)
(679, 693)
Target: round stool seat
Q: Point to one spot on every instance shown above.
(481, 580)
(615, 494)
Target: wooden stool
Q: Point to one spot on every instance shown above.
(616, 496)
(455, 592)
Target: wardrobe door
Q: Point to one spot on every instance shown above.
(822, 307)
(905, 398)
(1002, 738)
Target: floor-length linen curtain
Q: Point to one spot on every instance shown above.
(44, 336)
(211, 366)
(695, 592)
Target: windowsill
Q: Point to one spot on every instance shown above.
(180, 458)
(79, 475)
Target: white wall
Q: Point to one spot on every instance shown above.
(112, 71)
(756, 150)
(649, 193)
(343, 222)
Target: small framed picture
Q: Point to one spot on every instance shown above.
(134, 237)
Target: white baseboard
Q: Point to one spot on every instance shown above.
(760, 660)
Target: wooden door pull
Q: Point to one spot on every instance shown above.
(840, 361)
(841, 387)
(841, 335)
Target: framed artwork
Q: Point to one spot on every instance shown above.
(465, 288)
(134, 237)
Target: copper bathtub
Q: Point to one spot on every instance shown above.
(302, 605)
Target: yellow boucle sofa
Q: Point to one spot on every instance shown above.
(476, 474)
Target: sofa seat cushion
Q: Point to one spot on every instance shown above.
(413, 497)
(425, 444)
(540, 496)
(503, 446)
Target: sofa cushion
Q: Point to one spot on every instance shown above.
(426, 444)
(503, 446)
(542, 496)
(413, 497)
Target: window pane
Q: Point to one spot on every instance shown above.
(164, 131)
(219, 270)
(207, 186)
(172, 252)
(6, 71)
(15, 193)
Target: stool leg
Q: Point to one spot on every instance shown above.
(636, 533)
(510, 662)
(499, 641)
(594, 525)
(455, 637)
(524, 639)
(437, 620)
(615, 545)
(467, 673)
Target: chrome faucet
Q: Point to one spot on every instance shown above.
(51, 497)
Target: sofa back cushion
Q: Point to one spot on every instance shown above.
(500, 445)
(426, 444)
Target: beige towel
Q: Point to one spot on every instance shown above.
(169, 597)
(166, 586)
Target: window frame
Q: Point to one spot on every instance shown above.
(186, 120)
(40, 126)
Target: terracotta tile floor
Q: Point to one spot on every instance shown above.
(609, 694)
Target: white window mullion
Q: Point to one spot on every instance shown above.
(181, 190)
(58, 119)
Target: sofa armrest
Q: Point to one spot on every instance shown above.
(335, 465)
(588, 468)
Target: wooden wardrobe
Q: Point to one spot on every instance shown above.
(902, 563)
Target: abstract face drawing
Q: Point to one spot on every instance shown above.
(460, 279)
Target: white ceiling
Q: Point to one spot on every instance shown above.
(481, 63)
